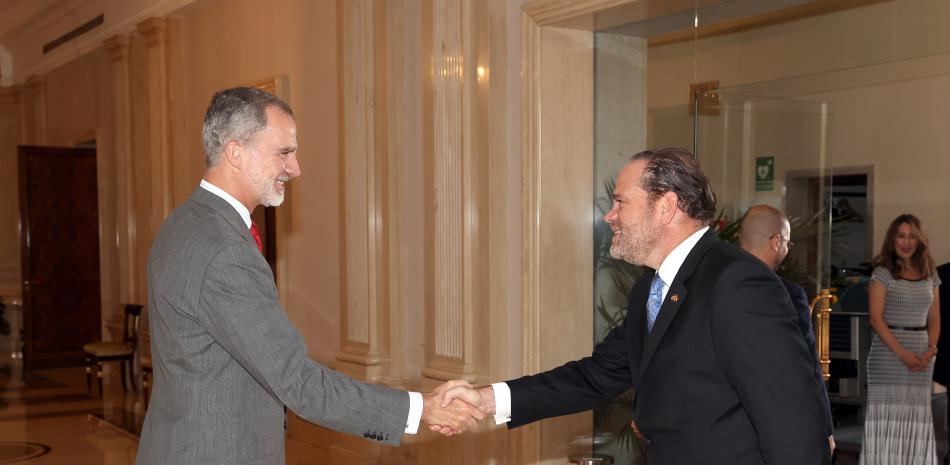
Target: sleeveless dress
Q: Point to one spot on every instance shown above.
(898, 426)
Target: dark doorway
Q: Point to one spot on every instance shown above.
(832, 211)
(266, 219)
(59, 253)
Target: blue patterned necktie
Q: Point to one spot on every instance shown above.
(653, 303)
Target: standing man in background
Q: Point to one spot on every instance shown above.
(942, 362)
(226, 357)
(765, 233)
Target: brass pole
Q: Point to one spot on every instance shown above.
(820, 315)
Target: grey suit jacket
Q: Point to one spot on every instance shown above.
(226, 358)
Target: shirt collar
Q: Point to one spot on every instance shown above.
(241, 209)
(672, 263)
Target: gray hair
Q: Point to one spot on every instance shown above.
(236, 114)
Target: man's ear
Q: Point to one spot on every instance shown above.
(668, 206)
(235, 154)
(775, 242)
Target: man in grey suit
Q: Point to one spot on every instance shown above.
(226, 358)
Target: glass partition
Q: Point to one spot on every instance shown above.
(817, 108)
(771, 151)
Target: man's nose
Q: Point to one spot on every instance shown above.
(291, 166)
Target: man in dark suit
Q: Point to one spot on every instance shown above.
(765, 233)
(942, 363)
(710, 342)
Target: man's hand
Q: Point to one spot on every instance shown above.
(482, 397)
(454, 414)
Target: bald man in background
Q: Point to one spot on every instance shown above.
(765, 233)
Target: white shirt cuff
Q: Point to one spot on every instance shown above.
(502, 402)
(415, 413)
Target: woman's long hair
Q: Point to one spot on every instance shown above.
(921, 259)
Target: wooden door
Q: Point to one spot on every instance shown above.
(266, 219)
(60, 254)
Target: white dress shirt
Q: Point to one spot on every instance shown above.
(415, 398)
(241, 209)
(667, 271)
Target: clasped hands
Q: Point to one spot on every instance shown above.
(916, 362)
(456, 406)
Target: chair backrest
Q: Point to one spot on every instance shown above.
(130, 330)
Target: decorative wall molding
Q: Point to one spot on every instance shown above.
(35, 106)
(363, 335)
(454, 195)
(154, 30)
(117, 47)
(550, 12)
(9, 96)
(23, 119)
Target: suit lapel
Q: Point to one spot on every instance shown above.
(664, 318)
(675, 298)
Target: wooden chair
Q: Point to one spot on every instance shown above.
(115, 351)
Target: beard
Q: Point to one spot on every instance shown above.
(267, 189)
(633, 243)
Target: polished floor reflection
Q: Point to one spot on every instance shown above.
(50, 417)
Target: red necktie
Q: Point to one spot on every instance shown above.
(257, 237)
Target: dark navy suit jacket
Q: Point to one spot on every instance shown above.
(800, 301)
(724, 378)
(942, 364)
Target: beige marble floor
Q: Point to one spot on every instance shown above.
(57, 412)
(54, 410)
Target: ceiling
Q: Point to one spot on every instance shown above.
(683, 14)
(27, 26)
(663, 21)
(18, 14)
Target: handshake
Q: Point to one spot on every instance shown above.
(457, 406)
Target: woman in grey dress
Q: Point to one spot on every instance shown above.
(904, 312)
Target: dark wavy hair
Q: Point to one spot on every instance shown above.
(676, 170)
(921, 259)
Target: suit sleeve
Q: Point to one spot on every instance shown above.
(764, 356)
(800, 302)
(241, 311)
(575, 386)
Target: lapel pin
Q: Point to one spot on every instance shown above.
(675, 298)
